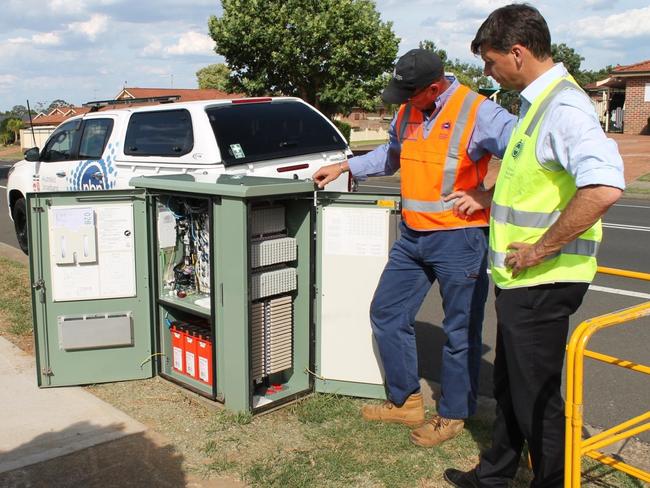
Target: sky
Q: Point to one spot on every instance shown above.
(83, 50)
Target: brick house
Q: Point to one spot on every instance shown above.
(608, 97)
(637, 96)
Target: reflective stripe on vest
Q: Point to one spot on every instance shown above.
(580, 247)
(438, 164)
(529, 198)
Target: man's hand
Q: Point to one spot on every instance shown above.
(585, 208)
(522, 256)
(469, 201)
(329, 173)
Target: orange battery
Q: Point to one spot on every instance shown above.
(190, 351)
(178, 347)
(204, 356)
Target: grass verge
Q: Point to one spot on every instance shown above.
(11, 153)
(15, 300)
(319, 441)
(366, 144)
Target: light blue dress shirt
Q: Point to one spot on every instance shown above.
(491, 134)
(570, 134)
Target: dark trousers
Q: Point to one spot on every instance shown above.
(457, 259)
(532, 328)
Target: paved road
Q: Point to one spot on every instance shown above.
(612, 395)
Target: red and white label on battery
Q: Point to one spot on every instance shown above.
(178, 359)
(203, 369)
(189, 364)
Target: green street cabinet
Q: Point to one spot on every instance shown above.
(249, 291)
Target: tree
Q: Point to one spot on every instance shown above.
(468, 74)
(216, 76)
(19, 111)
(10, 129)
(58, 103)
(14, 125)
(331, 53)
(561, 53)
(590, 76)
(431, 46)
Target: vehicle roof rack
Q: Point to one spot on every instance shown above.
(97, 104)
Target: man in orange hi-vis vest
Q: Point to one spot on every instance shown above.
(441, 141)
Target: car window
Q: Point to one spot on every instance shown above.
(62, 144)
(94, 138)
(159, 133)
(249, 132)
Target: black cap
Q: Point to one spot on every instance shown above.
(417, 69)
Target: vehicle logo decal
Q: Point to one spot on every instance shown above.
(95, 174)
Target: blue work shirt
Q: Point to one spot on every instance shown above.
(491, 134)
(570, 134)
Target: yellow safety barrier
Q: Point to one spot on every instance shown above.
(576, 446)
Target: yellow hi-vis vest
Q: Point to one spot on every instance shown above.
(528, 198)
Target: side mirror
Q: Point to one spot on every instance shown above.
(33, 154)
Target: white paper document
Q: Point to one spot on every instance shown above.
(355, 232)
(92, 252)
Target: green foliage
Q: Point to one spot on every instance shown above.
(568, 56)
(331, 53)
(215, 76)
(431, 46)
(14, 125)
(15, 298)
(572, 60)
(588, 76)
(468, 74)
(10, 130)
(19, 111)
(58, 103)
(344, 127)
(509, 99)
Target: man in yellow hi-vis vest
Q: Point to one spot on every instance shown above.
(558, 177)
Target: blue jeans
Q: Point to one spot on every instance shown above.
(457, 259)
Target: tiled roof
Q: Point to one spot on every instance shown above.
(186, 95)
(57, 116)
(642, 67)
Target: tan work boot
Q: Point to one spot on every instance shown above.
(411, 413)
(437, 430)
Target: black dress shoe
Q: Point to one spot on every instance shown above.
(462, 479)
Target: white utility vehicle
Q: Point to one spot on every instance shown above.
(102, 150)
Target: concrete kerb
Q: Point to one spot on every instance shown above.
(41, 424)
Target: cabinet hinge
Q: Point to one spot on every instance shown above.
(47, 372)
(40, 286)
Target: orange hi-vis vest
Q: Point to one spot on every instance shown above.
(437, 165)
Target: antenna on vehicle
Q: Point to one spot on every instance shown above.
(29, 112)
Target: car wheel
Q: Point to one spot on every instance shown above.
(19, 213)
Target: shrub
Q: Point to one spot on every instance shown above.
(345, 129)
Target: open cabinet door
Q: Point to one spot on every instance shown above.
(90, 286)
(354, 235)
